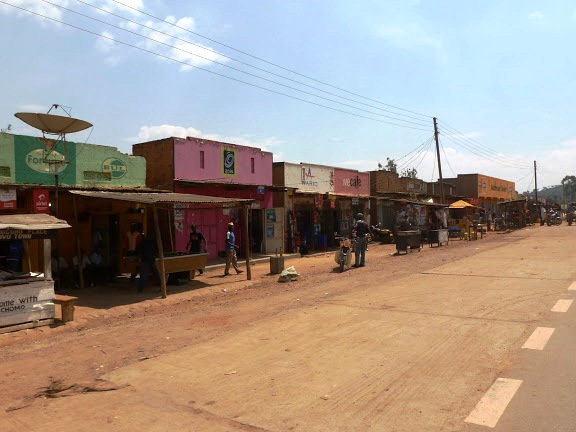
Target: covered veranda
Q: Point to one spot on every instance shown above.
(168, 201)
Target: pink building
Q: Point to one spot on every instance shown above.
(351, 183)
(211, 168)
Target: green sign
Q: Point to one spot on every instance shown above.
(35, 164)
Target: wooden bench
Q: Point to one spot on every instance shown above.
(67, 304)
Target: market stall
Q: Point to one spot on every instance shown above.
(27, 297)
(175, 262)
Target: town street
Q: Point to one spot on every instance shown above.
(473, 336)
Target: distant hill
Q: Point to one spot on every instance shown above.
(551, 193)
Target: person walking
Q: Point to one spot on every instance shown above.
(361, 229)
(194, 245)
(231, 246)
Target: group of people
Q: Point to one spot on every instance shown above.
(197, 244)
(93, 267)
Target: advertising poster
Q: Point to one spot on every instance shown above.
(7, 198)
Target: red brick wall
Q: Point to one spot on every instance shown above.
(159, 157)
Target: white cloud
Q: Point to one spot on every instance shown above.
(37, 108)
(151, 133)
(39, 8)
(412, 38)
(105, 44)
(536, 15)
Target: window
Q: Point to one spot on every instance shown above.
(252, 166)
(202, 159)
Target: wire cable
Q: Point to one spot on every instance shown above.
(266, 61)
(209, 71)
(417, 155)
(446, 159)
(222, 55)
(479, 147)
(228, 66)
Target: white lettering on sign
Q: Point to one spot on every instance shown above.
(352, 182)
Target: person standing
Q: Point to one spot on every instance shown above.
(542, 215)
(194, 245)
(146, 249)
(361, 229)
(131, 240)
(231, 257)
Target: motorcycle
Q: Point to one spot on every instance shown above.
(553, 219)
(382, 235)
(343, 256)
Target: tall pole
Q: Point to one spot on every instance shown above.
(535, 184)
(439, 163)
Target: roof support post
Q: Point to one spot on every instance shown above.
(161, 270)
(247, 243)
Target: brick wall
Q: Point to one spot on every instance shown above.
(159, 157)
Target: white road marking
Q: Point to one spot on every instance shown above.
(562, 306)
(539, 338)
(572, 287)
(491, 407)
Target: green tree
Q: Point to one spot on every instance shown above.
(569, 188)
(390, 166)
(410, 173)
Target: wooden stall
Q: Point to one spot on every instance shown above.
(167, 200)
(27, 298)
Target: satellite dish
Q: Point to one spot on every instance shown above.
(53, 124)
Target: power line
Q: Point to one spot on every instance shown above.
(209, 71)
(412, 151)
(424, 153)
(484, 149)
(223, 55)
(417, 155)
(266, 61)
(225, 65)
(483, 154)
(446, 158)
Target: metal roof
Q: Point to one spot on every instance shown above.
(163, 198)
(31, 222)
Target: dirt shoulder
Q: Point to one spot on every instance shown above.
(110, 336)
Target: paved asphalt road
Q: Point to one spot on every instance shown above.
(478, 344)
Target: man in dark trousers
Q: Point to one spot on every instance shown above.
(146, 250)
(194, 245)
(361, 229)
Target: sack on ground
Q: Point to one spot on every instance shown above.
(288, 275)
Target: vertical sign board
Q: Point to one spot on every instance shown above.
(229, 162)
(7, 198)
(41, 199)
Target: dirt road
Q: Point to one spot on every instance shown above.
(406, 343)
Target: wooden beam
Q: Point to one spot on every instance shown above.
(247, 243)
(161, 270)
(80, 258)
(47, 259)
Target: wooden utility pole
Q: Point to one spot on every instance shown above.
(439, 163)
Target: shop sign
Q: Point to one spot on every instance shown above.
(318, 200)
(41, 199)
(114, 168)
(17, 234)
(39, 162)
(355, 201)
(260, 190)
(7, 198)
(229, 162)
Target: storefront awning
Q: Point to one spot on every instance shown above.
(31, 222)
(163, 198)
(460, 204)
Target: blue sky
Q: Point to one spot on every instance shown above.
(497, 75)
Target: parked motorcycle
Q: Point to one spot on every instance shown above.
(382, 235)
(343, 256)
(553, 219)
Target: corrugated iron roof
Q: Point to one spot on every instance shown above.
(162, 198)
(31, 222)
